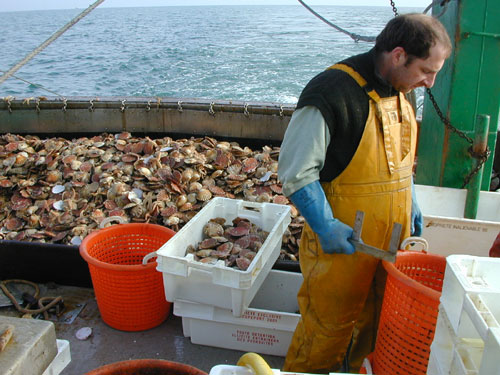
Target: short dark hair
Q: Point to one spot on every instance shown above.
(415, 32)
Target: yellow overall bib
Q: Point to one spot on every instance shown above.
(342, 294)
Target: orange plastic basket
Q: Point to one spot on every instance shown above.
(130, 295)
(147, 367)
(409, 313)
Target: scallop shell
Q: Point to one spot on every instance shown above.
(213, 229)
(58, 205)
(75, 165)
(237, 231)
(14, 224)
(53, 176)
(181, 200)
(187, 174)
(57, 189)
(69, 159)
(6, 183)
(186, 207)
(172, 220)
(243, 263)
(208, 243)
(21, 159)
(217, 190)
(191, 197)
(250, 165)
(194, 187)
(204, 253)
(130, 158)
(204, 195)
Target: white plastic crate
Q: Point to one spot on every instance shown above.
(471, 294)
(215, 284)
(491, 354)
(445, 227)
(451, 354)
(266, 327)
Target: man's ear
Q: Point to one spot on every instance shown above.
(399, 56)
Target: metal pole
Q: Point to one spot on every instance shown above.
(479, 146)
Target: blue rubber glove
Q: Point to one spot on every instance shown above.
(417, 219)
(333, 234)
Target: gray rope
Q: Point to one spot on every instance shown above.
(56, 35)
(354, 36)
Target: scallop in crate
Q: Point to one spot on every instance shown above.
(186, 278)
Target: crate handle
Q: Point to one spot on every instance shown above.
(251, 206)
(412, 241)
(146, 259)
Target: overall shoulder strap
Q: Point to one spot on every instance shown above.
(359, 79)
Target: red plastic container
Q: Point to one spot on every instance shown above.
(146, 367)
(409, 314)
(130, 295)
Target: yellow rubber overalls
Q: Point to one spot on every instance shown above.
(342, 294)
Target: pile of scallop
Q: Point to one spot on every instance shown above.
(56, 190)
(236, 244)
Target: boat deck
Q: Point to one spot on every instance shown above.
(107, 345)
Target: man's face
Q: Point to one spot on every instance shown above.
(418, 72)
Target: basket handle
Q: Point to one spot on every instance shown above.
(412, 241)
(110, 219)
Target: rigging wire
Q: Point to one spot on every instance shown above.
(42, 46)
(34, 84)
(442, 3)
(355, 37)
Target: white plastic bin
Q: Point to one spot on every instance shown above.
(266, 327)
(471, 294)
(491, 355)
(446, 229)
(452, 354)
(215, 284)
(467, 336)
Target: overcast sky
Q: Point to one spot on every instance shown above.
(7, 5)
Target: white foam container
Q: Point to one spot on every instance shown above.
(471, 294)
(215, 284)
(446, 229)
(266, 327)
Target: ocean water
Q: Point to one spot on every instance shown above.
(249, 53)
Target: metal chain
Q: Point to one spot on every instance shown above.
(394, 9)
(482, 158)
(445, 120)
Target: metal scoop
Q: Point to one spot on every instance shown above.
(389, 255)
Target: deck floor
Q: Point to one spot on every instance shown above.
(107, 345)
